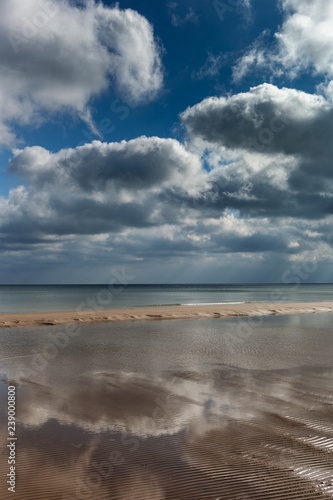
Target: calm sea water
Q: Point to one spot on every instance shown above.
(36, 298)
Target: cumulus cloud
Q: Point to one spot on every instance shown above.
(105, 186)
(55, 57)
(265, 119)
(304, 42)
(268, 120)
(256, 163)
(286, 133)
(140, 163)
(150, 199)
(306, 38)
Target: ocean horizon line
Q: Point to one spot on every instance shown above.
(171, 284)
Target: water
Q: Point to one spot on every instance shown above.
(188, 410)
(48, 298)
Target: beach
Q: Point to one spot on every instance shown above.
(166, 254)
(224, 408)
(163, 313)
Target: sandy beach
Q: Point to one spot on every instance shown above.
(163, 313)
(164, 163)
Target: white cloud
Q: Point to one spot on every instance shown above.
(142, 163)
(255, 56)
(55, 57)
(306, 37)
(211, 68)
(270, 150)
(304, 42)
(150, 199)
(268, 184)
(110, 186)
(266, 118)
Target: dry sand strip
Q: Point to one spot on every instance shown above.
(161, 313)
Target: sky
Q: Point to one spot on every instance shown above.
(183, 141)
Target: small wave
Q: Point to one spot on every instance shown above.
(157, 305)
(194, 304)
(213, 304)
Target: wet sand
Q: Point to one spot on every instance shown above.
(163, 313)
(172, 410)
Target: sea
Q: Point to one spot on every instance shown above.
(50, 298)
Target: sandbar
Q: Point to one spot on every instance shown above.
(163, 313)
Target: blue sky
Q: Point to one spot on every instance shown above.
(186, 49)
(182, 143)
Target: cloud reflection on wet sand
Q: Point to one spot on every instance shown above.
(190, 431)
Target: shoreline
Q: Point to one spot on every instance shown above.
(162, 313)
